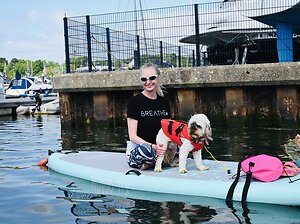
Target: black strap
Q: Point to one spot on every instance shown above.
(244, 195)
(246, 188)
(232, 187)
(69, 152)
(247, 184)
(70, 184)
(50, 152)
(170, 127)
(179, 129)
(133, 171)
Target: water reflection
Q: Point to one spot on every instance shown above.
(100, 137)
(230, 143)
(89, 207)
(97, 203)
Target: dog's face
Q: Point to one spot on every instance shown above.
(199, 128)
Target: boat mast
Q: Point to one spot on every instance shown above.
(27, 69)
(5, 76)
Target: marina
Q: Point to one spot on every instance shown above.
(63, 138)
(24, 94)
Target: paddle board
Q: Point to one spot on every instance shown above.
(110, 168)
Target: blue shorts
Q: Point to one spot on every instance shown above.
(141, 154)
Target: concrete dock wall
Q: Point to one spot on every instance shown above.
(248, 94)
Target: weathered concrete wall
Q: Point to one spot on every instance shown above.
(245, 93)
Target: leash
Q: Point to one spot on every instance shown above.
(228, 171)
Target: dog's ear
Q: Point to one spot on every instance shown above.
(208, 133)
(193, 127)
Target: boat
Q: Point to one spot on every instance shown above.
(22, 86)
(2, 92)
(51, 107)
(111, 168)
(249, 32)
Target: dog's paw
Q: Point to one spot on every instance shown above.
(157, 169)
(202, 168)
(183, 171)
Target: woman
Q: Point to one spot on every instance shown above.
(144, 114)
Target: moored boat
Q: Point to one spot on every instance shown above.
(22, 86)
(51, 107)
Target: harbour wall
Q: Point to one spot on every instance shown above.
(256, 94)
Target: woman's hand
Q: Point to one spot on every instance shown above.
(159, 150)
(297, 140)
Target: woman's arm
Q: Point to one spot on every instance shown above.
(132, 125)
(132, 132)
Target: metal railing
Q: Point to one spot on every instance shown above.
(219, 33)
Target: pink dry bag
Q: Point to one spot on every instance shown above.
(263, 167)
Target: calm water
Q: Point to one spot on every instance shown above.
(32, 195)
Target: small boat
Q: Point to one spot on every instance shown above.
(2, 93)
(51, 107)
(22, 86)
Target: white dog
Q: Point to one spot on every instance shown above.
(190, 136)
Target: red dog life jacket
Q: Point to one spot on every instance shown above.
(178, 129)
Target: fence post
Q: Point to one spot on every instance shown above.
(137, 54)
(179, 56)
(88, 38)
(161, 53)
(109, 61)
(68, 70)
(197, 35)
(193, 57)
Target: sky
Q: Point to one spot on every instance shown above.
(33, 29)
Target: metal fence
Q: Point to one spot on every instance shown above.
(219, 33)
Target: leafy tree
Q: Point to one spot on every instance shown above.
(14, 61)
(2, 63)
(37, 67)
(27, 66)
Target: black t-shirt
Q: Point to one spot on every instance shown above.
(148, 113)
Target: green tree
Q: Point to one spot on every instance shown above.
(33, 68)
(2, 63)
(37, 67)
(51, 69)
(14, 65)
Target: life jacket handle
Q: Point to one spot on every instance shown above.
(178, 130)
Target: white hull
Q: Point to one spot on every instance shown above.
(47, 108)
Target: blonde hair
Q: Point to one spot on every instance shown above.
(159, 89)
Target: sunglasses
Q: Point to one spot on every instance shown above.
(151, 78)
